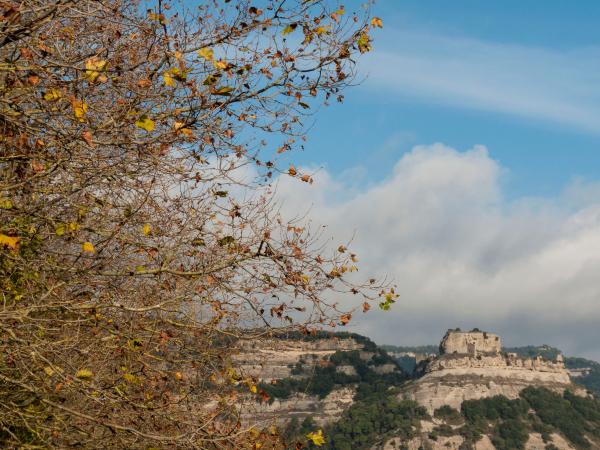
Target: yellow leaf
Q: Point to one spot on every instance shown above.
(84, 374)
(376, 22)
(147, 229)
(9, 241)
(52, 95)
(224, 90)
(93, 68)
(177, 73)
(49, 371)
(132, 379)
(322, 29)
(73, 227)
(364, 43)
(88, 247)
(158, 17)
(178, 376)
(206, 53)
(145, 123)
(317, 438)
(60, 229)
(253, 389)
(79, 109)
(5, 203)
(169, 80)
(211, 79)
(287, 30)
(220, 64)
(181, 128)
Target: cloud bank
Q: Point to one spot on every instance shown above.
(552, 85)
(462, 255)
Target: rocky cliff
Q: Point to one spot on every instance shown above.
(471, 366)
(357, 394)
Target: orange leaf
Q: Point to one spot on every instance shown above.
(87, 137)
(9, 241)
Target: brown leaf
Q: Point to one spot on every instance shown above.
(87, 137)
(292, 171)
(366, 307)
(345, 319)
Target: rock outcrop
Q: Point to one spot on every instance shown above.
(471, 365)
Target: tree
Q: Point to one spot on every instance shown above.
(139, 235)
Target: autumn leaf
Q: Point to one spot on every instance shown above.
(84, 374)
(52, 95)
(87, 137)
(169, 80)
(211, 79)
(225, 90)
(206, 53)
(364, 43)
(147, 229)
(160, 18)
(292, 171)
(345, 319)
(220, 64)
(145, 123)
(79, 109)
(6, 203)
(290, 28)
(317, 438)
(93, 68)
(366, 306)
(144, 83)
(11, 242)
(253, 389)
(60, 229)
(88, 247)
(376, 22)
(178, 376)
(322, 29)
(181, 128)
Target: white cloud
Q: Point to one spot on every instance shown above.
(462, 255)
(559, 86)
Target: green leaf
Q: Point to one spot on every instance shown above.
(145, 123)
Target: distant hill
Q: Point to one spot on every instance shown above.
(418, 349)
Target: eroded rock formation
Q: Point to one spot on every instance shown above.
(471, 365)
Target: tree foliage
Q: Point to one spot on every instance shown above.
(138, 232)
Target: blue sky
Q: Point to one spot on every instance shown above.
(466, 167)
(523, 47)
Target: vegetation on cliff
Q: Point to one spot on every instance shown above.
(509, 422)
(321, 378)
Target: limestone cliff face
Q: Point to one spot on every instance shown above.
(275, 359)
(471, 366)
(323, 411)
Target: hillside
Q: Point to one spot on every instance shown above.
(356, 393)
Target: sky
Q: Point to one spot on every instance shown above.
(467, 165)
